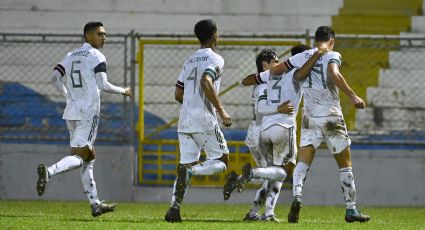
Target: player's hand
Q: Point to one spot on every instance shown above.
(357, 102)
(285, 108)
(225, 117)
(323, 50)
(128, 92)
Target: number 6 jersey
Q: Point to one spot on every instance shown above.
(321, 96)
(197, 113)
(80, 67)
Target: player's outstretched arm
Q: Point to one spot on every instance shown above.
(338, 79)
(211, 94)
(302, 73)
(104, 85)
(249, 80)
(279, 69)
(57, 81)
(178, 94)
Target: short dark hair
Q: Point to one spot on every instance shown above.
(299, 49)
(324, 34)
(90, 26)
(205, 29)
(266, 55)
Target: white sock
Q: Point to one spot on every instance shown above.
(260, 198)
(209, 167)
(300, 173)
(176, 201)
(273, 195)
(86, 175)
(348, 187)
(271, 173)
(65, 164)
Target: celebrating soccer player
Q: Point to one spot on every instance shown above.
(85, 72)
(197, 90)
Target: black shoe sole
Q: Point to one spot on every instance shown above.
(294, 213)
(41, 182)
(361, 219)
(230, 185)
(173, 216)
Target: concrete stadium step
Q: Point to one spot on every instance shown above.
(370, 24)
(412, 43)
(385, 11)
(390, 119)
(118, 22)
(407, 60)
(418, 24)
(381, 4)
(214, 7)
(397, 98)
(401, 78)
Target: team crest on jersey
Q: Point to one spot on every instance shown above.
(218, 71)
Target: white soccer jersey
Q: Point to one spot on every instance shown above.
(197, 113)
(80, 67)
(280, 88)
(253, 134)
(321, 96)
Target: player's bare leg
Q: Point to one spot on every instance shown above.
(305, 158)
(352, 214)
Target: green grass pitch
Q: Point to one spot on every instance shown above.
(76, 215)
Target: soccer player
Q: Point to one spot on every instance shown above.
(197, 90)
(277, 136)
(323, 120)
(85, 73)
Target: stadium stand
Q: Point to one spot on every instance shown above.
(123, 16)
(394, 103)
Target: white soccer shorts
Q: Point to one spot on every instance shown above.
(212, 142)
(331, 129)
(252, 135)
(278, 145)
(83, 132)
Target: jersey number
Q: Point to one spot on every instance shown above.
(277, 87)
(76, 75)
(193, 76)
(318, 68)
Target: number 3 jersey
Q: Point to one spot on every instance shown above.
(80, 67)
(321, 96)
(280, 88)
(197, 113)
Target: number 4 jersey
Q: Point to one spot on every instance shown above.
(80, 67)
(321, 97)
(197, 114)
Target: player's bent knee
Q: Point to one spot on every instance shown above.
(225, 159)
(85, 153)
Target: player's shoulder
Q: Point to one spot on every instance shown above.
(334, 56)
(96, 54)
(215, 57)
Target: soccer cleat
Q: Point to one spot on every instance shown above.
(173, 215)
(248, 217)
(230, 185)
(271, 218)
(294, 212)
(245, 178)
(354, 215)
(182, 179)
(43, 177)
(101, 208)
